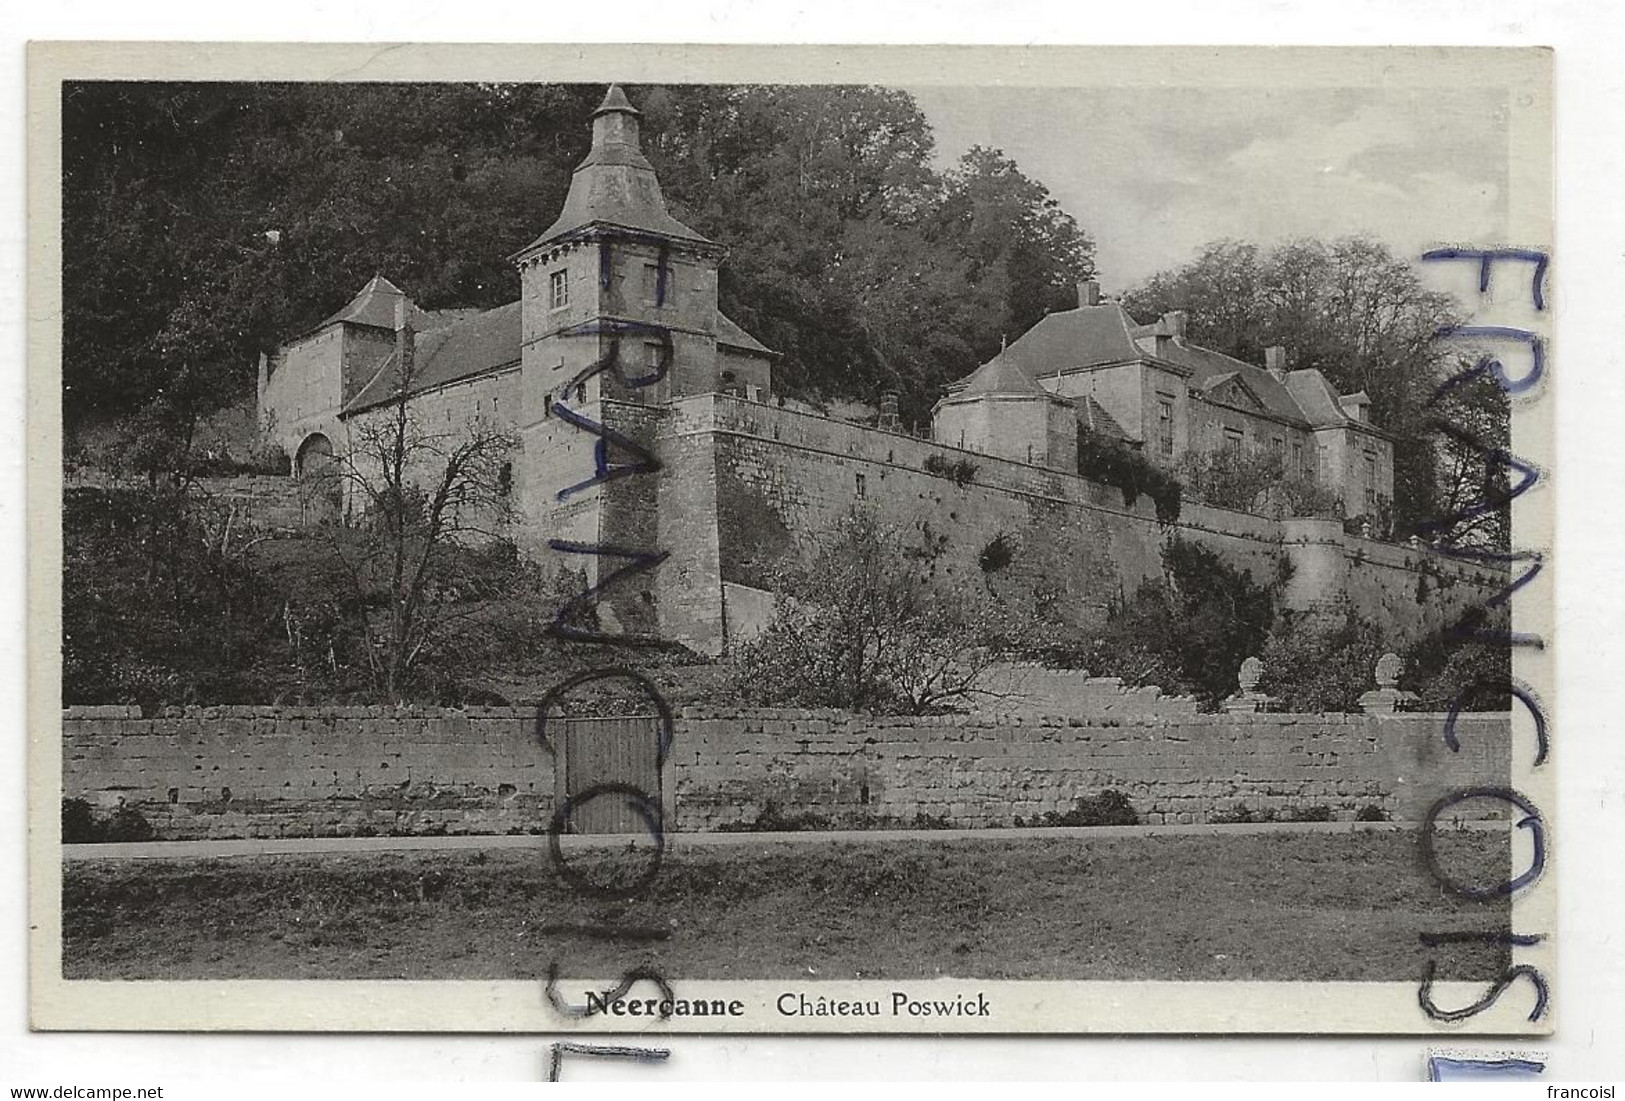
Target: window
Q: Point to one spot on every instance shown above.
(505, 479)
(659, 286)
(558, 289)
(1278, 451)
(1232, 440)
(1297, 457)
(653, 358)
(1371, 479)
(861, 490)
(1165, 425)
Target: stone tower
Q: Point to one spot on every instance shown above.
(619, 304)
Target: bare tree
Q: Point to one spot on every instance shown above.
(411, 498)
(870, 625)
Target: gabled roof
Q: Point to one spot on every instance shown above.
(470, 347)
(481, 341)
(734, 337)
(374, 305)
(1208, 368)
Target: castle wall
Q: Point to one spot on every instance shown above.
(302, 394)
(782, 477)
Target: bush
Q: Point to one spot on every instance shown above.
(81, 826)
(1240, 814)
(1317, 813)
(1114, 463)
(962, 471)
(1316, 664)
(1447, 669)
(1187, 632)
(1109, 808)
(869, 624)
(1371, 812)
(772, 819)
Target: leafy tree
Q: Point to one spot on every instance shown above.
(866, 624)
(205, 223)
(1256, 482)
(1473, 422)
(1188, 631)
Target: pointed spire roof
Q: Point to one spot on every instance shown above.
(616, 184)
(615, 100)
(374, 305)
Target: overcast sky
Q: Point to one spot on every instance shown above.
(1153, 174)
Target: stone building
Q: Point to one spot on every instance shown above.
(648, 424)
(1151, 388)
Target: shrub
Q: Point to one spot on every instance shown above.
(1315, 663)
(1114, 463)
(772, 819)
(81, 826)
(1188, 631)
(1109, 808)
(997, 554)
(1317, 813)
(1240, 814)
(869, 625)
(1452, 668)
(1371, 812)
(962, 471)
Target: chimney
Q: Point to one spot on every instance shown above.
(405, 342)
(1275, 361)
(888, 410)
(1088, 293)
(1175, 321)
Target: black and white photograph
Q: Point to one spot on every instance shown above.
(868, 549)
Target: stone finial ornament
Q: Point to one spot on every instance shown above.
(1386, 698)
(1248, 697)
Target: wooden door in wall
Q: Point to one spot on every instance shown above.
(620, 750)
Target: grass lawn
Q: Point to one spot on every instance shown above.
(1321, 907)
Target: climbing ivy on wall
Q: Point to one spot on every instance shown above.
(1115, 464)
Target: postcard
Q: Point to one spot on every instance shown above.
(643, 540)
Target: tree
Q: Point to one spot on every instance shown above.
(1187, 631)
(414, 497)
(868, 625)
(1472, 422)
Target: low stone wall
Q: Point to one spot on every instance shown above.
(987, 771)
(220, 772)
(331, 771)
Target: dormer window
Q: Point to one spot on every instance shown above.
(558, 289)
